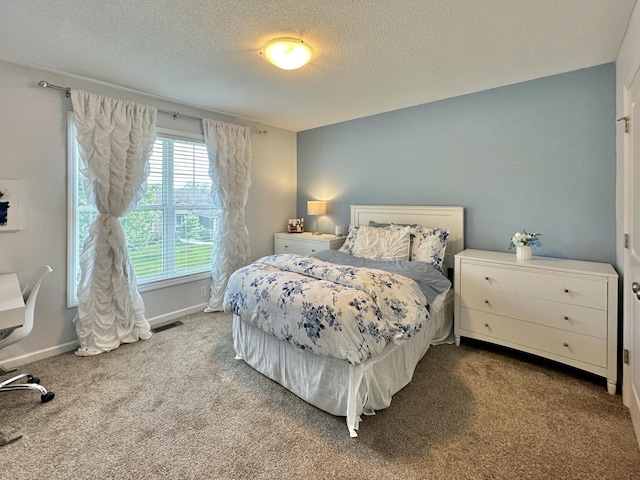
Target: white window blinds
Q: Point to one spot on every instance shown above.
(170, 233)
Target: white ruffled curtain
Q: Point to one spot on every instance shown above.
(229, 148)
(116, 139)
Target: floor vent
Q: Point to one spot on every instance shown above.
(161, 328)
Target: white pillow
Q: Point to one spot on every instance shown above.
(390, 243)
(429, 245)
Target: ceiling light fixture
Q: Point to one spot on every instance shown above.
(287, 53)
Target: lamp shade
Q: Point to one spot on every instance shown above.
(316, 208)
(287, 53)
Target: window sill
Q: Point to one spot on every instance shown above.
(170, 282)
(160, 284)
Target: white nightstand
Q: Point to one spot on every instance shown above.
(564, 310)
(306, 243)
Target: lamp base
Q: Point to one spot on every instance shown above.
(316, 232)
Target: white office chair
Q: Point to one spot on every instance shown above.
(10, 336)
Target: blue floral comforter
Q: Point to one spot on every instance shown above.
(340, 311)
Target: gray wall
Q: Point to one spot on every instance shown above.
(538, 155)
(33, 139)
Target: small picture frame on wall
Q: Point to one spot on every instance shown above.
(10, 215)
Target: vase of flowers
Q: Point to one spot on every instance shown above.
(524, 243)
(524, 252)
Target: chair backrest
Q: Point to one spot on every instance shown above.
(35, 281)
(29, 293)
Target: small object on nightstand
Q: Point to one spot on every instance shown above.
(316, 208)
(296, 225)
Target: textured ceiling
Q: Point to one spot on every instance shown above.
(371, 56)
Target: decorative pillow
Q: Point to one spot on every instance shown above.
(389, 243)
(429, 245)
(373, 223)
(347, 246)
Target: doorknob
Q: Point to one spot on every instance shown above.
(635, 286)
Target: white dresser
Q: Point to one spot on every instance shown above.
(306, 243)
(564, 310)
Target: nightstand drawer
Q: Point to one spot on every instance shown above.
(297, 246)
(571, 345)
(573, 318)
(557, 287)
(306, 243)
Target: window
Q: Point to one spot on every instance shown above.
(170, 232)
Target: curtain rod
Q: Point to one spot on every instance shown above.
(176, 115)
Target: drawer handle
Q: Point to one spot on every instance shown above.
(566, 290)
(486, 325)
(313, 251)
(487, 302)
(566, 344)
(486, 278)
(565, 317)
(286, 246)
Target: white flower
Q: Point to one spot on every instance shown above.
(525, 238)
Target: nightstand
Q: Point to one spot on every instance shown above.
(306, 243)
(564, 310)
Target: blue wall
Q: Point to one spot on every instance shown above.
(538, 155)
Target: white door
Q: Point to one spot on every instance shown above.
(631, 373)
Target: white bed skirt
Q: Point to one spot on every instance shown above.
(334, 385)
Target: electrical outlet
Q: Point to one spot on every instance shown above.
(203, 291)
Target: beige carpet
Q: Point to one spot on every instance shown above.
(179, 406)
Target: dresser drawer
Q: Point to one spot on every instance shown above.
(557, 287)
(566, 344)
(565, 316)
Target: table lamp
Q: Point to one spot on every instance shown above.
(316, 208)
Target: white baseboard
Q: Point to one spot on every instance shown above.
(171, 316)
(158, 321)
(15, 362)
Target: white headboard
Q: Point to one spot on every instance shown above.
(451, 218)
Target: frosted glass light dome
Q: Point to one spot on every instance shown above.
(287, 53)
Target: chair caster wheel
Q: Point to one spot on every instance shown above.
(31, 379)
(47, 397)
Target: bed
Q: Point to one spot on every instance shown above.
(341, 377)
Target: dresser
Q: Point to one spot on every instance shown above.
(563, 310)
(306, 243)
